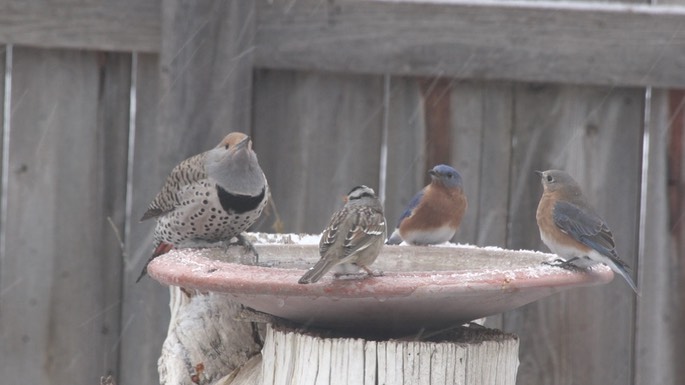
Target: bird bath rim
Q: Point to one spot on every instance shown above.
(458, 284)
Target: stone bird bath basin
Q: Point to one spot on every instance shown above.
(422, 289)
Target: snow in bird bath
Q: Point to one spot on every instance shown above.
(287, 239)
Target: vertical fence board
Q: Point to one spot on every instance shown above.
(318, 135)
(145, 313)
(406, 168)
(481, 150)
(60, 301)
(586, 335)
(3, 58)
(481, 125)
(112, 145)
(205, 92)
(6, 282)
(660, 340)
(664, 281)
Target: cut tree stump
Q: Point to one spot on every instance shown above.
(206, 344)
(465, 355)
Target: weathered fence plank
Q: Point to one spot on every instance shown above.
(481, 145)
(91, 24)
(145, 309)
(317, 136)
(67, 170)
(3, 70)
(581, 336)
(659, 340)
(526, 41)
(406, 168)
(204, 92)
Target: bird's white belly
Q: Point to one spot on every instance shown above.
(429, 237)
(568, 252)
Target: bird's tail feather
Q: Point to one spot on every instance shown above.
(315, 273)
(395, 238)
(621, 268)
(162, 248)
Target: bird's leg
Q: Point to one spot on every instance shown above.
(564, 264)
(372, 273)
(248, 246)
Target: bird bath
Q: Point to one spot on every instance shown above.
(423, 288)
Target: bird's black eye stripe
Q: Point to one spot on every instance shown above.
(362, 195)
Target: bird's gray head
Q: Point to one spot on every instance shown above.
(446, 175)
(233, 165)
(557, 180)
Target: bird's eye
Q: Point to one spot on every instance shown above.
(550, 178)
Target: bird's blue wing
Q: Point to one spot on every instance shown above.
(586, 227)
(411, 206)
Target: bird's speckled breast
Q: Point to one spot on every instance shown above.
(200, 216)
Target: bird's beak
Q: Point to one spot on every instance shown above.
(242, 143)
(432, 173)
(538, 172)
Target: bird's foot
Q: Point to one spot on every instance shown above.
(350, 276)
(249, 248)
(373, 273)
(564, 264)
(360, 275)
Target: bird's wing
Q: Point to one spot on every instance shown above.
(189, 171)
(330, 233)
(586, 227)
(367, 227)
(411, 206)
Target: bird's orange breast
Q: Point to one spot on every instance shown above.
(439, 207)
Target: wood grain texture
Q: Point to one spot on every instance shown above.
(436, 94)
(481, 148)
(200, 346)
(3, 69)
(406, 168)
(317, 136)
(526, 41)
(145, 313)
(191, 96)
(291, 357)
(661, 277)
(90, 24)
(60, 268)
(540, 41)
(581, 336)
(205, 74)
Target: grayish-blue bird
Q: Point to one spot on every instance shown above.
(572, 229)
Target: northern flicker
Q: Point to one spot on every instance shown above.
(210, 197)
(353, 238)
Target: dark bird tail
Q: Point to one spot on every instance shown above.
(162, 248)
(623, 270)
(315, 273)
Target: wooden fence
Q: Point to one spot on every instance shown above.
(330, 91)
